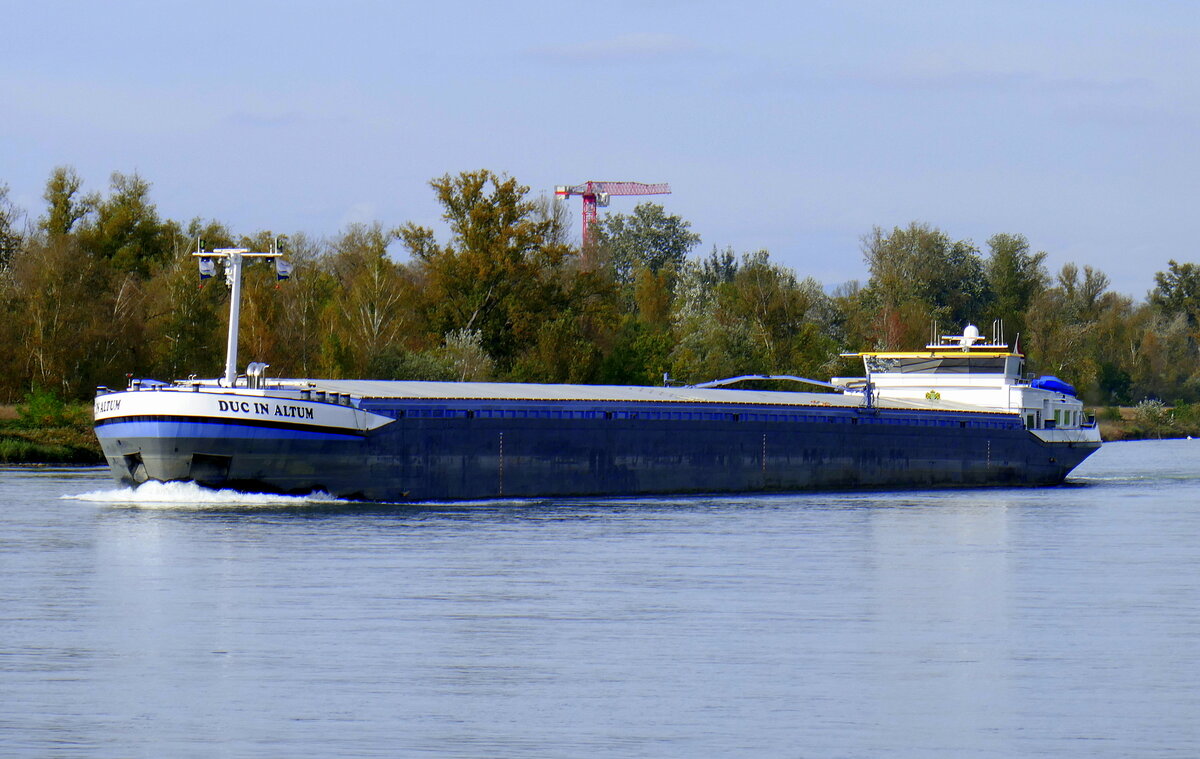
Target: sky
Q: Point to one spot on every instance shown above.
(794, 127)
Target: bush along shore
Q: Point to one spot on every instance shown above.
(1149, 420)
(46, 430)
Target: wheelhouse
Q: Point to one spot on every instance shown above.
(965, 369)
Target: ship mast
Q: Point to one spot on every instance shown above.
(234, 259)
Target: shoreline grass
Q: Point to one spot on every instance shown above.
(66, 437)
(1149, 420)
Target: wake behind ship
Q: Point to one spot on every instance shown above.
(956, 414)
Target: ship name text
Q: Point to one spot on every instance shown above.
(265, 409)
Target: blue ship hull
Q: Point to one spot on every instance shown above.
(485, 451)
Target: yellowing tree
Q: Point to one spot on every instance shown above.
(501, 272)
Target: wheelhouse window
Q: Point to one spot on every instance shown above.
(936, 365)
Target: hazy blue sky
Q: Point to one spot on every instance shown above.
(794, 127)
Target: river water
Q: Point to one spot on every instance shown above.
(982, 623)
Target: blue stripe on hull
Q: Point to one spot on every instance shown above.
(181, 428)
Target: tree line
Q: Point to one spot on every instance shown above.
(97, 286)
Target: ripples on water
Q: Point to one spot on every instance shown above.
(176, 621)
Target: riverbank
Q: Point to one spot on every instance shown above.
(1147, 421)
(63, 438)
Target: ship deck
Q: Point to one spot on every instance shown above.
(527, 392)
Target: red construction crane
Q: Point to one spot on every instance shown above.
(597, 193)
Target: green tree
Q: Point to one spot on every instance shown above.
(500, 273)
(1164, 364)
(720, 267)
(369, 315)
(1062, 324)
(398, 363)
(264, 316)
(126, 230)
(851, 316)
(556, 215)
(642, 253)
(65, 206)
(1015, 277)
(10, 236)
(302, 302)
(1177, 292)
(1153, 415)
(1119, 328)
(185, 321)
(644, 340)
(919, 275)
(210, 234)
(1083, 294)
(649, 238)
(762, 320)
(463, 352)
(81, 323)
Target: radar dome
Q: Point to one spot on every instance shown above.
(970, 336)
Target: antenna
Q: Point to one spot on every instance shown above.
(233, 277)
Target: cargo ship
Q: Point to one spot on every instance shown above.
(958, 413)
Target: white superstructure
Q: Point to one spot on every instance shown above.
(965, 370)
